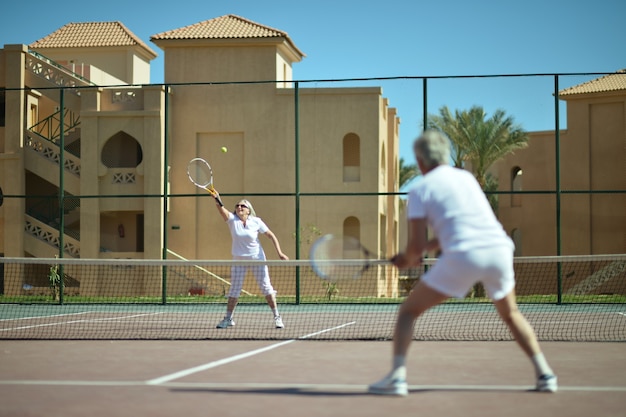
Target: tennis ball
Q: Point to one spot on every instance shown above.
(224, 149)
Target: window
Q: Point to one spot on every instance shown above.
(34, 114)
(121, 151)
(351, 158)
(516, 236)
(383, 166)
(351, 228)
(2, 106)
(516, 185)
(383, 236)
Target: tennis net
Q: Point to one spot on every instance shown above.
(566, 298)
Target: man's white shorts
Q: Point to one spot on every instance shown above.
(454, 274)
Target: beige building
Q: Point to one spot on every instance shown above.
(592, 157)
(228, 82)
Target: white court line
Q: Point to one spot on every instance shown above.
(243, 386)
(185, 372)
(327, 330)
(71, 383)
(46, 316)
(214, 364)
(76, 321)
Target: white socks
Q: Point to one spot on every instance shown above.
(541, 365)
(398, 370)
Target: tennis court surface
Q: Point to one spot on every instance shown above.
(138, 339)
(301, 377)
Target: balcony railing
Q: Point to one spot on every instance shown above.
(50, 127)
(51, 71)
(50, 236)
(52, 152)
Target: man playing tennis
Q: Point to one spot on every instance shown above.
(474, 248)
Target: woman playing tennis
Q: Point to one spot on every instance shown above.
(245, 227)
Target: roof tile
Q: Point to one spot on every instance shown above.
(90, 35)
(224, 27)
(229, 26)
(610, 82)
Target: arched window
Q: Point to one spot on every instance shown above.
(396, 174)
(383, 165)
(516, 185)
(516, 236)
(351, 158)
(121, 151)
(352, 227)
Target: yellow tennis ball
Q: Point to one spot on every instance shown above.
(224, 149)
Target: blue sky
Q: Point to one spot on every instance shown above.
(407, 38)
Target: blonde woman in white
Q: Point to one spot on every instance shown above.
(245, 228)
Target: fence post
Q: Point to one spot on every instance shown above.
(557, 158)
(165, 192)
(297, 175)
(61, 195)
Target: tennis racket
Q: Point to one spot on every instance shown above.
(340, 257)
(201, 174)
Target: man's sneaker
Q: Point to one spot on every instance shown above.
(226, 322)
(547, 383)
(389, 386)
(278, 321)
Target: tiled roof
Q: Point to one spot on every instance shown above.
(224, 27)
(610, 82)
(90, 35)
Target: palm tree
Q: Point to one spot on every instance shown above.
(479, 140)
(406, 172)
(450, 125)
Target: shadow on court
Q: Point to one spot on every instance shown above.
(338, 393)
(273, 391)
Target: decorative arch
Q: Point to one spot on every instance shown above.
(121, 151)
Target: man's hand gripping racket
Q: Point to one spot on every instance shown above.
(201, 175)
(339, 257)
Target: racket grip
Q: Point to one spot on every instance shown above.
(217, 199)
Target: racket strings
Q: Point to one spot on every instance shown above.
(201, 174)
(329, 249)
